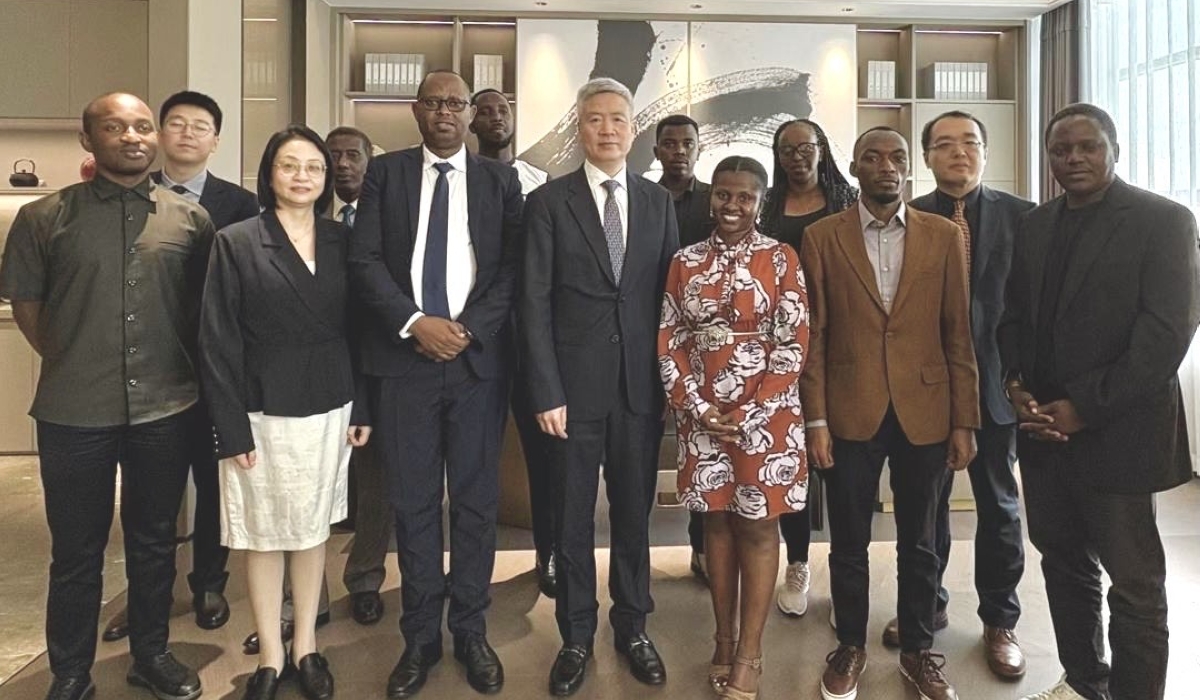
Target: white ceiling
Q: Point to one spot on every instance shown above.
(849, 10)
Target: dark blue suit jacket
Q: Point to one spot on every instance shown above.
(381, 253)
(225, 202)
(991, 259)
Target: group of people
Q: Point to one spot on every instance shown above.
(389, 310)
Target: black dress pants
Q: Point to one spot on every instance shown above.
(999, 547)
(1078, 529)
(439, 427)
(627, 443)
(209, 557)
(537, 465)
(79, 469)
(917, 474)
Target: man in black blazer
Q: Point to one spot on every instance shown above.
(189, 133)
(433, 258)
(1101, 307)
(955, 147)
(597, 245)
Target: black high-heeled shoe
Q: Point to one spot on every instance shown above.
(315, 679)
(262, 685)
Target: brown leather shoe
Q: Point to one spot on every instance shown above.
(843, 666)
(891, 632)
(1004, 655)
(924, 670)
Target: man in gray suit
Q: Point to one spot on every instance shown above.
(1101, 307)
(955, 147)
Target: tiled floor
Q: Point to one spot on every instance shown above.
(523, 632)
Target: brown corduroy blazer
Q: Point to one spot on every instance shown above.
(919, 358)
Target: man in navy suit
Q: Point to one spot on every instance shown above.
(598, 243)
(955, 147)
(189, 133)
(433, 257)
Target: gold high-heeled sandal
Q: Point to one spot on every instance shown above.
(718, 674)
(731, 693)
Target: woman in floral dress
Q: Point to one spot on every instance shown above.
(732, 342)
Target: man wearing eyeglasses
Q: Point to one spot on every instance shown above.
(955, 147)
(190, 132)
(433, 258)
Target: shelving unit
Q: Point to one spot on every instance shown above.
(914, 49)
(447, 42)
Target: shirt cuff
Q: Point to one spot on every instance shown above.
(819, 423)
(404, 331)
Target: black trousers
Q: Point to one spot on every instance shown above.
(999, 547)
(627, 443)
(209, 558)
(373, 521)
(917, 474)
(79, 469)
(439, 428)
(537, 465)
(1078, 529)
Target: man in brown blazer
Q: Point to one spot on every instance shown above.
(890, 375)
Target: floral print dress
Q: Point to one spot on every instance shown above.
(734, 336)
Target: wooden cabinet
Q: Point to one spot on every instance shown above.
(59, 54)
(915, 50)
(18, 379)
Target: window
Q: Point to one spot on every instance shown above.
(1144, 69)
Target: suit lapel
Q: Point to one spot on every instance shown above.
(1040, 232)
(583, 208)
(850, 240)
(639, 244)
(287, 262)
(918, 252)
(411, 164)
(987, 236)
(476, 186)
(1107, 218)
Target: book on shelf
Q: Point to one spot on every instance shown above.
(489, 72)
(393, 73)
(956, 81)
(881, 80)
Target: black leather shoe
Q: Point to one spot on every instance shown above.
(547, 576)
(566, 676)
(250, 644)
(212, 610)
(409, 675)
(262, 685)
(484, 671)
(164, 676)
(644, 662)
(315, 679)
(118, 627)
(76, 688)
(366, 607)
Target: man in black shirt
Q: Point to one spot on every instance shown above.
(105, 279)
(677, 147)
(955, 147)
(1101, 306)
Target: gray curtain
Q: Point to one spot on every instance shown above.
(1064, 35)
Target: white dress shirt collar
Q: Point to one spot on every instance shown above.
(597, 177)
(458, 160)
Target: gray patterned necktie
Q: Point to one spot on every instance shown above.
(613, 234)
(347, 212)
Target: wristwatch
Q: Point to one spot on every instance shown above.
(1011, 384)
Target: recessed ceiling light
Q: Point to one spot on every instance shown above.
(541, 3)
(847, 9)
(696, 6)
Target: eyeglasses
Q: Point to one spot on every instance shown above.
(789, 152)
(433, 104)
(953, 146)
(292, 168)
(178, 126)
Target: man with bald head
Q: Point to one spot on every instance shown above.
(891, 374)
(433, 259)
(105, 279)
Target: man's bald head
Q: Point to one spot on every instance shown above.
(106, 103)
(118, 129)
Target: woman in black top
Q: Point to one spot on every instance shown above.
(279, 380)
(807, 186)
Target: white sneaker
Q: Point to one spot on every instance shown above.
(1062, 691)
(793, 594)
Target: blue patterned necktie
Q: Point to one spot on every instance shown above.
(434, 301)
(613, 234)
(348, 214)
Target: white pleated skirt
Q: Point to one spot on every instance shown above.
(297, 487)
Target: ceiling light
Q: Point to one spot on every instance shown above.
(847, 9)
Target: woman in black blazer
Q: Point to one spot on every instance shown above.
(280, 382)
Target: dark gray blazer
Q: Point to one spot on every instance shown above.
(1130, 305)
(225, 202)
(578, 327)
(991, 258)
(381, 252)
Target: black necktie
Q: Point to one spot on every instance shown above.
(434, 301)
(348, 214)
